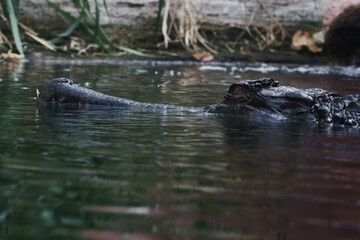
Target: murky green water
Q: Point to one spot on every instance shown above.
(95, 174)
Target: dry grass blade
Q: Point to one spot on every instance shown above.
(5, 39)
(27, 29)
(87, 48)
(184, 25)
(283, 32)
(31, 33)
(164, 24)
(263, 33)
(41, 41)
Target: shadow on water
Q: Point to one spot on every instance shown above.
(88, 173)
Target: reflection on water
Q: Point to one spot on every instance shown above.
(111, 174)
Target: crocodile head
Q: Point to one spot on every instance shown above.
(266, 94)
(246, 91)
(51, 93)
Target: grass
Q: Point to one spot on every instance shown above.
(10, 8)
(87, 22)
(178, 20)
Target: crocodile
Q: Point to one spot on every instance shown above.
(264, 96)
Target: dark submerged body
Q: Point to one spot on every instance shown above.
(63, 90)
(264, 96)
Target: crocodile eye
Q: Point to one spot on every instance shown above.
(235, 89)
(239, 91)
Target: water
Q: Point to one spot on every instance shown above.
(111, 174)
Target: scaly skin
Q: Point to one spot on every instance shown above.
(263, 96)
(63, 90)
(314, 103)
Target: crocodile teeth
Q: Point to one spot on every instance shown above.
(38, 95)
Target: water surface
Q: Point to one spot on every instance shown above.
(112, 174)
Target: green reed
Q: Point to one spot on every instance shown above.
(11, 8)
(87, 22)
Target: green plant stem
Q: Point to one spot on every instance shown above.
(82, 26)
(158, 18)
(14, 27)
(99, 36)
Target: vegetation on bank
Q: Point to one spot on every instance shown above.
(178, 24)
(87, 22)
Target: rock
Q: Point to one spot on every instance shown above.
(232, 12)
(342, 30)
(336, 9)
